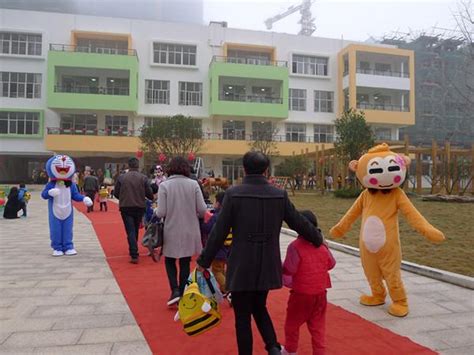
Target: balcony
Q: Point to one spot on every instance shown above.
(92, 78)
(396, 74)
(383, 107)
(248, 87)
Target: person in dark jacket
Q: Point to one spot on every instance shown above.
(91, 187)
(132, 189)
(13, 205)
(254, 211)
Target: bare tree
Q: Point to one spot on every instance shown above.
(264, 140)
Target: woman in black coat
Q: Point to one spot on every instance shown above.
(13, 205)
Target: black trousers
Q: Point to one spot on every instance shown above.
(91, 195)
(132, 226)
(247, 304)
(172, 272)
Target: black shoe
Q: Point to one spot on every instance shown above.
(274, 351)
(134, 260)
(174, 298)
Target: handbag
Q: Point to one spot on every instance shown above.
(154, 237)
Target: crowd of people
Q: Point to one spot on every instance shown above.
(237, 238)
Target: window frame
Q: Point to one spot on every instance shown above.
(328, 134)
(159, 96)
(14, 79)
(299, 99)
(117, 129)
(232, 132)
(317, 101)
(309, 64)
(35, 117)
(189, 95)
(167, 53)
(38, 46)
(290, 132)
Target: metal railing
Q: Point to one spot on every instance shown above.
(250, 61)
(383, 72)
(205, 135)
(383, 107)
(97, 90)
(250, 98)
(89, 49)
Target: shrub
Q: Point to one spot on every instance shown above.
(351, 192)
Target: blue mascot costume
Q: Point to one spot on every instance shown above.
(60, 191)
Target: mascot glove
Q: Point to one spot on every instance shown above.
(435, 236)
(87, 201)
(54, 192)
(336, 232)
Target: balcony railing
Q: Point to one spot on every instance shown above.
(96, 90)
(383, 107)
(96, 50)
(250, 61)
(205, 135)
(250, 98)
(383, 72)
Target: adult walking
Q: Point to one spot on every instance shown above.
(132, 189)
(254, 211)
(91, 187)
(180, 202)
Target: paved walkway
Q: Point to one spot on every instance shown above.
(60, 305)
(73, 304)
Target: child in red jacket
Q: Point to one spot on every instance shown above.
(305, 271)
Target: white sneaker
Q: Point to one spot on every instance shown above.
(58, 253)
(70, 252)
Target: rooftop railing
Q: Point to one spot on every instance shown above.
(250, 61)
(90, 49)
(383, 72)
(88, 89)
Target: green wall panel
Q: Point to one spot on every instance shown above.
(92, 101)
(233, 108)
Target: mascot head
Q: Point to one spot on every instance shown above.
(380, 168)
(60, 167)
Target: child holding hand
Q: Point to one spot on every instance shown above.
(305, 271)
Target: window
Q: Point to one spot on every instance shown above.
(262, 131)
(297, 100)
(248, 57)
(233, 130)
(20, 85)
(102, 46)
(157, 92)
(309, 65)
(79, 124)
(190, 94)
(27, 123)
(20, 43)
(295, 132)
(233, 93)
(232, 169)
(117, 86)
(323, 101)
(383, 133)
(323, 133)
(382, 68)
(116, 125)
(177, 54)
(79, 84)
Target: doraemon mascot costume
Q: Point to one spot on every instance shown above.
(60, 191)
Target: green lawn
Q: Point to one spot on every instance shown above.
(455, 220)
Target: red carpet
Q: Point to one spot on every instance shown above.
(145, 288)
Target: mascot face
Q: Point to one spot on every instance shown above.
(381, 168)
(60, 167)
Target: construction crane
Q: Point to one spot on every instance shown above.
(306, 21)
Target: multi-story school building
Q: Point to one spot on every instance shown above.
(85, 85)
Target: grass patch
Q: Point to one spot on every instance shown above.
(456, 254)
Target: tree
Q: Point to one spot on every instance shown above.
(264, 139)
(172, 136)
(353, 135)
(297, 164)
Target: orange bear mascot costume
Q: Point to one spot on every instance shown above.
(382, 171)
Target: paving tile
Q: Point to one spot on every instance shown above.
(105, 335)
(44, 338)
(86, 322)
(21, 351)
(54, 311)
(126, 348)
(62, 283)
(89, 349)
(455, 337)
(4, 336)
(21, 325)
(469, 350)
(104, 298)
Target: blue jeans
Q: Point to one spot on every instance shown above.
(132, 226)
